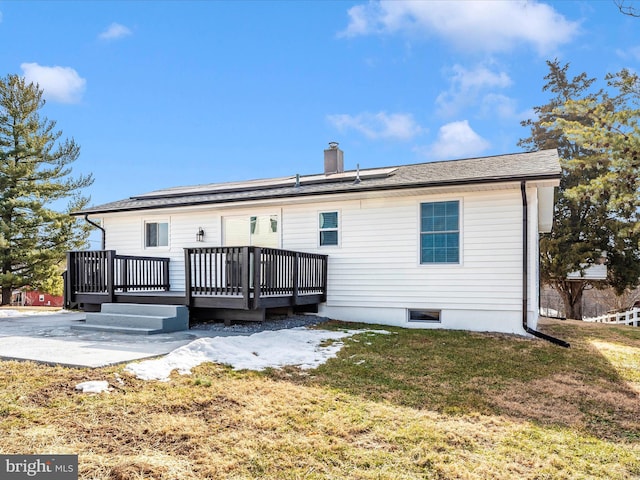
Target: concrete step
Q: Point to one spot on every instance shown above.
(125, 320)
(134, 318)
(143, 309)
(115, 329)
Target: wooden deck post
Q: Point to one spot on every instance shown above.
(124, 274)
(325, 269)
(187, 277)
(111, 260)
(296, 280)
(68, 282)
(245, 278)
(165, 273)
(257, 274)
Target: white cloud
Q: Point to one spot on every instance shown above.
(60, 84)
(455, 140)
(480, 77)
(484, 25)
(495, 105)
(396, 126)
(361, 19)
(630, 52)
(114, 32)
(466, 87)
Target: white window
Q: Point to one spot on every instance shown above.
(156, 234)
(440, 232)
(328, 223)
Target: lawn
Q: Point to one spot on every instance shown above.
(406, 405)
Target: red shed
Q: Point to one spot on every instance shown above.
(35, 298)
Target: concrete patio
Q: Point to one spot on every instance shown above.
(49, 338)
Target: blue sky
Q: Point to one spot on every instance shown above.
(167, 93)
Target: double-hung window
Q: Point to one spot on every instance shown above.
(328, 228)
(156, 234)
(440, 232)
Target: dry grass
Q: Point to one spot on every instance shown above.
(410, 405)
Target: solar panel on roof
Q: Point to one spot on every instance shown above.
(265, 183)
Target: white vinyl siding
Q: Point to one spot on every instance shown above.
(378, 263)
(379, 267)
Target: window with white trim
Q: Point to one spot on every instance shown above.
(440, 232)
(328, 228)
(156, 234)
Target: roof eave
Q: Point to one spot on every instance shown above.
(446, 183)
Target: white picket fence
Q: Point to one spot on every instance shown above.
(631, 317)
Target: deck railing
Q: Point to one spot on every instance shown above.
(90, 271)
(105, 272)
(247, 278)
(141, 274)
(254, 273)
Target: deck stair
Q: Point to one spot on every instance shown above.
(137, 319)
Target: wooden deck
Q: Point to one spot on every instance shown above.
(235, 278)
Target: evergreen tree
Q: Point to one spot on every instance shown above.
(35, 176)
(597, 204)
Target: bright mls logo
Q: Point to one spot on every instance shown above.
(50, 467)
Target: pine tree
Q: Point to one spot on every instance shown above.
(613, 134)
(597, 204)
(35, 177)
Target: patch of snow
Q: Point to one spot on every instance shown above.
(299, 346)
(119, 379)
(93, 386)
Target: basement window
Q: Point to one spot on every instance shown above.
(424, 316)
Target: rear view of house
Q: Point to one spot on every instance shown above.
(450, 244)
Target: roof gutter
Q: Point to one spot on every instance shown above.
(525, 273)
(104, 232)
(299, 192)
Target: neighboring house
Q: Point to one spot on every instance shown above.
(431, 245)
(595, 271)
(33, 298)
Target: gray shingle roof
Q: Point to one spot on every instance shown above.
(501, 168)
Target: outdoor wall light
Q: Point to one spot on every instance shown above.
(200, 235)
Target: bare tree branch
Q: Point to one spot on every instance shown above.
(627, 9)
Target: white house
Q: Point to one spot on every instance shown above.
(451, 244)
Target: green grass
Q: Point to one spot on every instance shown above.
(405, 405)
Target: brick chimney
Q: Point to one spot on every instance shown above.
(333, 159)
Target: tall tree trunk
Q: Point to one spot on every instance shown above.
(6, 296)
(571, 293)
(6, 289)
